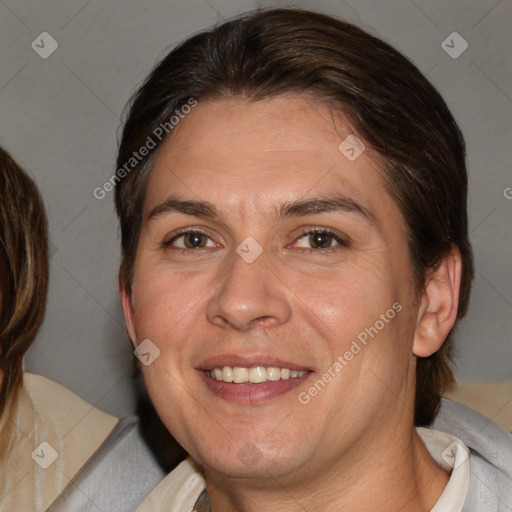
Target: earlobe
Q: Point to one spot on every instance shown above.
(438, 307)
(128, 312)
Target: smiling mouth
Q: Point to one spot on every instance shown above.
(254, 375)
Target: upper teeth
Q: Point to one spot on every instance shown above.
(254, 375)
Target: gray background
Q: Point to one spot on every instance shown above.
(60, 118)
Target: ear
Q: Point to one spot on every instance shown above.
(438, 306)
(128, 311)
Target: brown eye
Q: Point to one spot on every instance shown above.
(190, 240)
(319, 240)
(194, 240)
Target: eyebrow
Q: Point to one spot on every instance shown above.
(298, 208)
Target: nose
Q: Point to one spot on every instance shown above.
(249, 295)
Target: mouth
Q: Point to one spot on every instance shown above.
(254, 375)
(251, 380)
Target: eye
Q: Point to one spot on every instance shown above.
(317, 240)
(190, 240)
(313, 240)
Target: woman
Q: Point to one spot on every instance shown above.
(47, 433)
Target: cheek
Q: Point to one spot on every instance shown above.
(346, 299)
(168, 394)
(165, 300)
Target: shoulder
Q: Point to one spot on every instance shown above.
(65, 412)
(112, 467)
(50, 434)
(118, 477)
(490, 455)
(74, 427)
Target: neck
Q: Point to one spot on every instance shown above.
(395, 473)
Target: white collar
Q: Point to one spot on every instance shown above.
(451, 454)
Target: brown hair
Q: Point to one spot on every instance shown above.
(391, 105)
(25, 269)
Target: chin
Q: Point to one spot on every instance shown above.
(248, 459)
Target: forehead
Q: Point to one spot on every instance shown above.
(252, 156)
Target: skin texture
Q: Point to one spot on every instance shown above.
(353, 446)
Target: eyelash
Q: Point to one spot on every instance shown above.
(341, 241)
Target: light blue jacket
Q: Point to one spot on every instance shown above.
(490, 458)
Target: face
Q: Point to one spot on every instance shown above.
(266, 254)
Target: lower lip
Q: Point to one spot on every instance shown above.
(251, 393)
